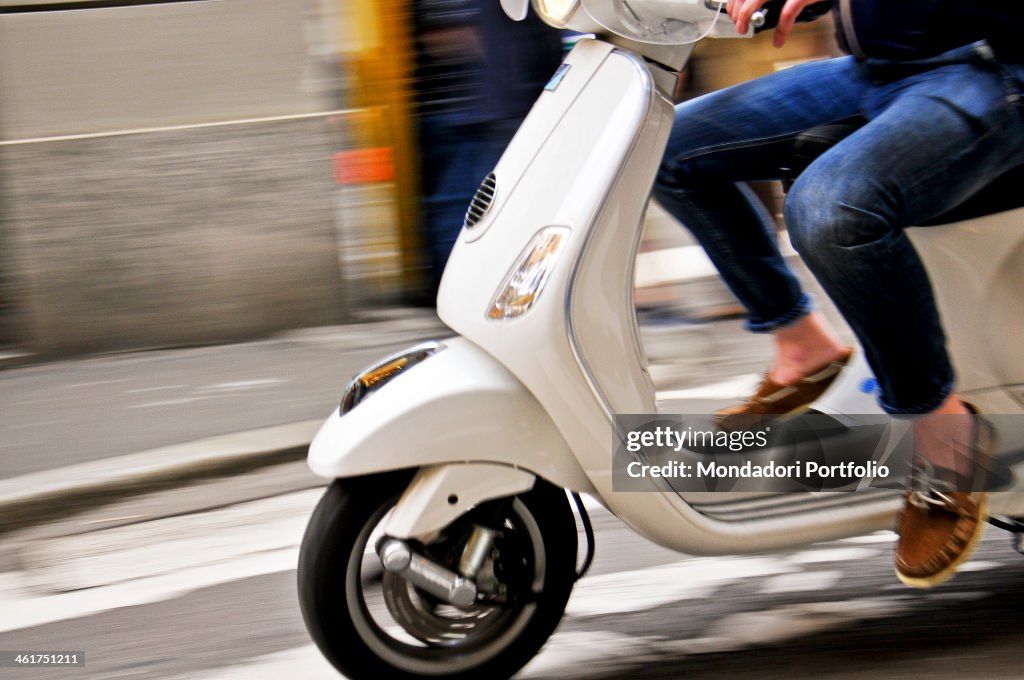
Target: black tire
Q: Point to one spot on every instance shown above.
(334, 574)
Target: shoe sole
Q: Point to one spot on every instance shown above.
(797, 410)
(925, 582)
(773, 418)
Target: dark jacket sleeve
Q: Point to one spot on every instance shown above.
(1001, 22)
(916, 29)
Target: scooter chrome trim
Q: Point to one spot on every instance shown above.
(398, 558)
(477, 549)
(726, 509)
(575, 345)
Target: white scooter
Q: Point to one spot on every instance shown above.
(446, 545)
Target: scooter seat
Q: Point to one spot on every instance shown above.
(1003, 193)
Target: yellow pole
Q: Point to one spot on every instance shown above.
(381, 67)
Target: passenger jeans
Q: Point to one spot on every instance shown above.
(938, 131)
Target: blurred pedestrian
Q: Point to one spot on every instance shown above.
(477, 75)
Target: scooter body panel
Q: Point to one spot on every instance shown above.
(585, 159)
(578, 141)
(977, 272)
(458, 406)
(440, 494)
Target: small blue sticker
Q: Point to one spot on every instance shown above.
(556, 79)
(870, 386)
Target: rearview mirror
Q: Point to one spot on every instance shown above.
(516, 9)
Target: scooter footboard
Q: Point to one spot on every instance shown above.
(459, 405)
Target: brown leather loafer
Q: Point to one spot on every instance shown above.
(940, 525)
(772, 399)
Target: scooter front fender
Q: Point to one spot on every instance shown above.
(457, 406)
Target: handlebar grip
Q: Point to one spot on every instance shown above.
(771, 11)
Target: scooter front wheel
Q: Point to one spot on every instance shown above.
(370, 623)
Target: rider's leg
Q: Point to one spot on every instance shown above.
(743, 133)
(803, 345)
(933, 140)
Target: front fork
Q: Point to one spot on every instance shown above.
(440, 494)
(436, 497)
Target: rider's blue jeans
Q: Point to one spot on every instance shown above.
(937, 131)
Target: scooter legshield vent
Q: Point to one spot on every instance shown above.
(481, 202)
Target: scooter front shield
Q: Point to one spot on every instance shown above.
(457, 406)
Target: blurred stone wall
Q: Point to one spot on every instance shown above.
(173, 237)
(165, 175)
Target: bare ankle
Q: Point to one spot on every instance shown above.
(943, 436)
(804, 347)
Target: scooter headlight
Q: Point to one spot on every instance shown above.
(557, 12)
(371, 379)
(525, 281)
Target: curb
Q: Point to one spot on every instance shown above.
(52, 494)
(13, 358)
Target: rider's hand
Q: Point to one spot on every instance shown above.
(741, 10)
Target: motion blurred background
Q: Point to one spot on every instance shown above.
(183, 173)
(240, 184)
